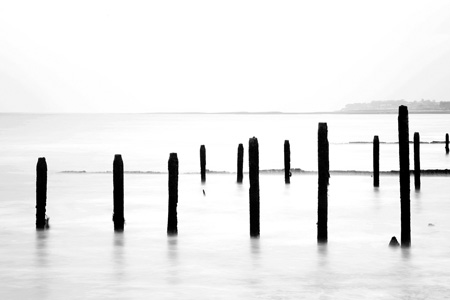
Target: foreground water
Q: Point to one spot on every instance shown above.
(81, 257)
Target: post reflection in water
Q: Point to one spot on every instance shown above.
(172, 255)
(118, 255)
(41, 248)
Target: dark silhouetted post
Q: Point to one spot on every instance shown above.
(118, 215)
(376, 161)
(203, 162)
(41, 193)
(253, 160)
(172, 220)
(446, 143)
(405, 205)
(417, 160)
(240, 163)
(323, 158)
(287, 162)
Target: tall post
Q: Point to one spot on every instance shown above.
(287, 162)
(203, 162)
(172, 220)
(417, 160)
(376, 161)
(405, 205)
(118, 193)
(253, 159)
(240, 163)
(446, 143)
(323, 159)
(41, 193)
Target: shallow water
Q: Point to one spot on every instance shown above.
(213, 257)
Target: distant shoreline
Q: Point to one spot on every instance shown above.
(353, 112)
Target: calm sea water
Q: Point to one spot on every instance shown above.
(81, 257)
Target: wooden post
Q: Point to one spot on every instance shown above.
(405, 205)
(417, 160)
(240, 163)
(172, 220)
(253, 159)
(376, 161)
(446, 143)
(41, 193)
(287, 162)
(323, 159)
(118, 193)
(203, 162)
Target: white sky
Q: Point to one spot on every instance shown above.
(168, 55)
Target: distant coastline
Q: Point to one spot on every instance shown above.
(391, 107)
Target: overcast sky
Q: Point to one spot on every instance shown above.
(153, 56)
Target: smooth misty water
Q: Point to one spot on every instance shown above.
(80, 257)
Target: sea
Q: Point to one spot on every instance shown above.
(213, 257)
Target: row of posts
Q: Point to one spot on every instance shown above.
(254, 197)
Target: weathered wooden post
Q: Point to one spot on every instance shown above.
(240, 163)
(41, 193)
(172, 220)
(417, 160)
(376, 161)
(253, 160)
(405, 205)
(287, 162)
(118, 193)
(446, 143)
(323, 159)
(203, 162)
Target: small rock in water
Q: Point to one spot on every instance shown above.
(430, 224)
(394, 242)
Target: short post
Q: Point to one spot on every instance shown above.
(118, 193)
(287, 162)
(253, 159)
(405, 205)
(172, 220)
(446, 143)
(240, 163)
(323, 159)
(203, 162)
(41, 193)
(417, 160)
(376, 161)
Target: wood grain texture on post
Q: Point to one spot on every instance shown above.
(118, 193)
(405, 205)
(323, 180)
(41, 193)
(172, 220)
(253, 159)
